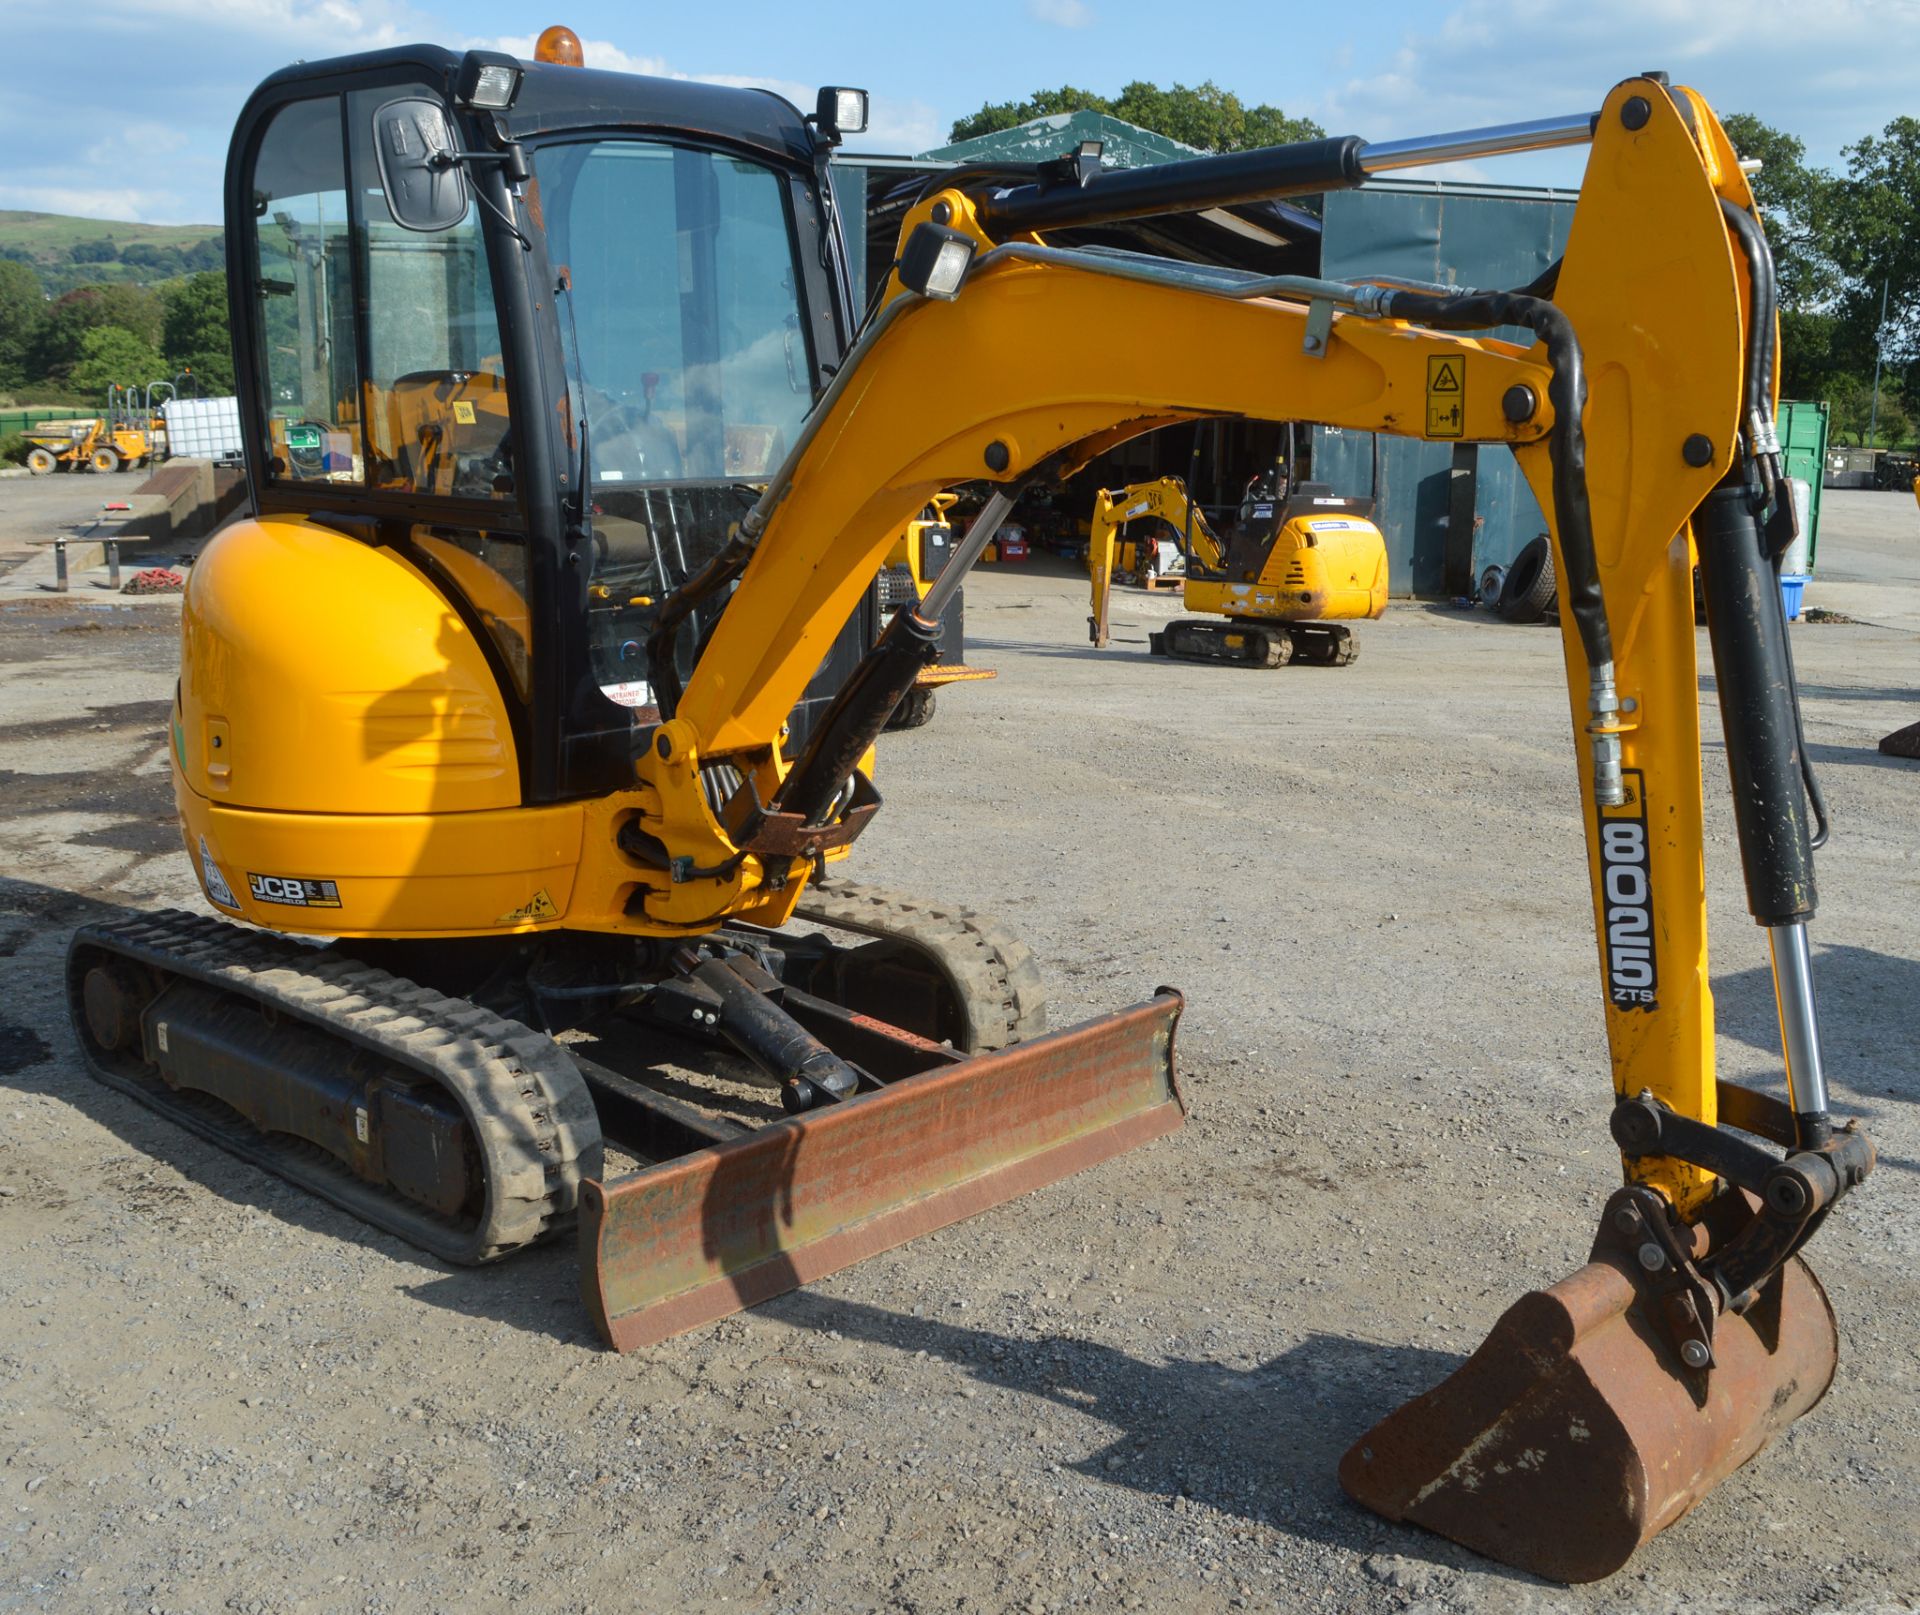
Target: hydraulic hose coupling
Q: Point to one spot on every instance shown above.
(1603, 733)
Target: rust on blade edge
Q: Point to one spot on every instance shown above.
(1060, 1104)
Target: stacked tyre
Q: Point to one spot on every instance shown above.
(1527, 593)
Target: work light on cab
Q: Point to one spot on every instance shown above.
(489, 81)
(839, 112)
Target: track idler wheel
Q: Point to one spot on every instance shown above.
(113, 996)
(1577, 1431)
(1320, 646)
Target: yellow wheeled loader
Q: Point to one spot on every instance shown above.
(423, 768)
(1295, 566)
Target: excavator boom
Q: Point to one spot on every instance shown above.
(1639, 417)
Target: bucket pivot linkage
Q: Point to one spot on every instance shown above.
(1600, 1410)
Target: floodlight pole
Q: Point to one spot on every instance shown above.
(1879, 342)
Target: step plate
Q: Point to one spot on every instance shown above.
(679, 1245)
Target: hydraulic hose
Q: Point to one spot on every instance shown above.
(1764, 444)
(663, 673)
(1761, 440)
(1573, 513)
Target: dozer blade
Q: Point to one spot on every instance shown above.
(1574, 1434)
(681, 1244)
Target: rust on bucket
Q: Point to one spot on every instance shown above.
(1574, 1434)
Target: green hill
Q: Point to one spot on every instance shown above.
(66, 251)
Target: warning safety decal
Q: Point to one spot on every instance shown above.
(1446, 395)
(537, 907)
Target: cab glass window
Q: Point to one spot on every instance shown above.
(303, 290)
(683, 325)
(435, 385)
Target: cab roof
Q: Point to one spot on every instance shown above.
(556, 99)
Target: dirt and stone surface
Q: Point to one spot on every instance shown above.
(1128, 1391)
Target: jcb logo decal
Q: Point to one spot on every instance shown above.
(1626, 891)
(291, 891)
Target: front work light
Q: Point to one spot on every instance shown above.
(839, 112)
(488, 81)
(935, 259)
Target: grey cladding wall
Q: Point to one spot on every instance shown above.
(1466, 236)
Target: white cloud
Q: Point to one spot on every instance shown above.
(135, 204)
(895, 124)
(1061, 13)
(599, 53)
(1825, 74)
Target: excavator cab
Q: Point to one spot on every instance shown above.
(555, 424)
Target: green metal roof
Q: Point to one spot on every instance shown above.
(1123, 145)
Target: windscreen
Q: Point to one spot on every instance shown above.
(687, 361)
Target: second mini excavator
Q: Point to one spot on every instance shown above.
(506, 709)
(1295, 567)
(919, 557)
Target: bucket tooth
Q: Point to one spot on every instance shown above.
(1574, 1434)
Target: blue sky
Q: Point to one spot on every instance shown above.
(126, 116)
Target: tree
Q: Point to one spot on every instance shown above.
(195, 331)
(998, 115)
(110, 356)
(132, 308)
(102, 251)
(1876, 242)
(1797, 206)
(1207, 117)
(1851, 398)
(145, 255)
(23, 309)
(208, 254)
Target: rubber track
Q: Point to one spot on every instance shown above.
(531, 1114)
(993, 971)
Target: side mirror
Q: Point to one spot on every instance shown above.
(420, 168)
(839, 112)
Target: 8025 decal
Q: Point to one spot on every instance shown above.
(1626, 895)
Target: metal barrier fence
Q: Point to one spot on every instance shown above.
(18, 420)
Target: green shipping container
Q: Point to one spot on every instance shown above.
(1802, 429)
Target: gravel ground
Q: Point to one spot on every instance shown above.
(1128, 1391)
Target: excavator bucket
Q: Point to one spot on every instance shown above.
(1575, 1433)
(694, 1239)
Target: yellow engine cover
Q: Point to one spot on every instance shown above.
(1321, 568)
(343, 761)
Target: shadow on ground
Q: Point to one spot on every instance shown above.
(1261, 1444)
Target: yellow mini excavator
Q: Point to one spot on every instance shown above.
(1294, 566)
(920, 556)
(533, 702)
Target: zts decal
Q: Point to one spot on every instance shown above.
(1626, 894)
